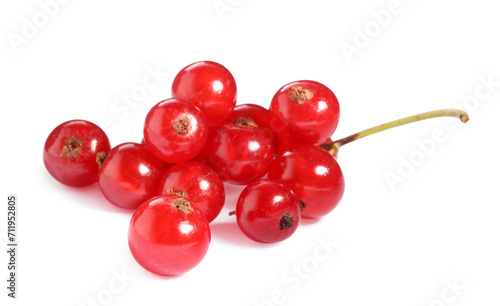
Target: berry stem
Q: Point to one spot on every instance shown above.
(333, 146)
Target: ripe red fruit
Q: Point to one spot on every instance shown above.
(175, 131)
(73, 152)
(313, 175)
(199, 184)
(209, 86)
(168, 235)
(268, 211)
(239, 152)
(304, 112)
(258, 114)
(130, 175)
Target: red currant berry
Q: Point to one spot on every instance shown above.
(239, 152)
(209, 86)
(313, 175)
(268, 211)
(130, 175)
(74, 151)
(175, 131)
(168, 235)
(199, 184)
(304, 112)
(258, 114)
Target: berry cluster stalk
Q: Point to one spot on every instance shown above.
(333, 146)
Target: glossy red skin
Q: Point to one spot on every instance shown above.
(75, 171)
(165, 240)
(130, 175)
(313, 175)
(166, 166)
(199, 184)
(209, 86)
(261, 206)
(240, 155)
(258, 114)
(161, 138)
(307, 123)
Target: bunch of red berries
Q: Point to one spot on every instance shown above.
(199, 139)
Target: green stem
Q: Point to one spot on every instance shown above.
(333, 146)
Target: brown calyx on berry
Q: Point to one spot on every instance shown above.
(183, 125)
(101, 157)
(182, 205)
(179, 192)
(245, 122)
(72, 148)
(286, 222)
(300, 95)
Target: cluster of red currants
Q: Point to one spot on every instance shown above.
(195, 141)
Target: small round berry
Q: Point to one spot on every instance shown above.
(313, 175)
(268, 211)
(239, 152)
(74, 151)
(175, 131)
(130, 175)
(304, 112)
(168, 235)
(258, 114)
(199, 184)
(209, 86)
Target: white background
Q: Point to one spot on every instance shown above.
(405, 245)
